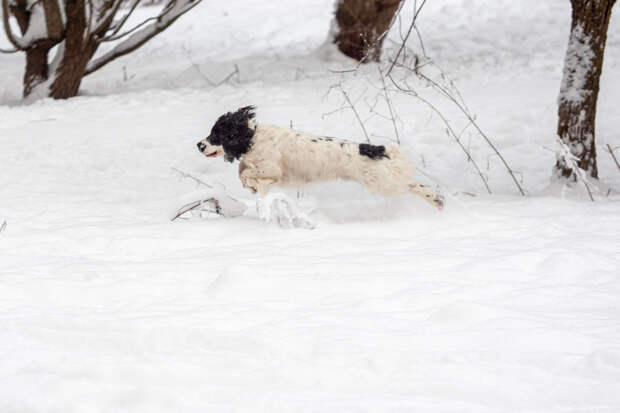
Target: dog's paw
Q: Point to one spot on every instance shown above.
(439, 201)
(249, 183)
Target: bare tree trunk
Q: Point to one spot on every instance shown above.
(78, 27)
(78, 51)
(361, 27)
(69, 75)
(580, 84)
(37, 69)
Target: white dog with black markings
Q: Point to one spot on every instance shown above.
(271, 155)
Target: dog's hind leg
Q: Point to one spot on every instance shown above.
(430, 196)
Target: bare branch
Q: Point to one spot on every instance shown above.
(463, 109)
(420, 40)
(17, 42)
(613, 156)
(218, 205)
(417, 11)
(9, 51)
(352, 107)
(206, 78)
(3, 226)
(389, 105)
(128, 32)
(91, 13)
(230, 75)
(449, 129)
(191, 177)
(116, 27)
(196, 204)
(105, 21)
(170, 14)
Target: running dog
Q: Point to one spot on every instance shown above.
(270, 155)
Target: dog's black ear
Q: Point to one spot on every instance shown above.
(246, 112)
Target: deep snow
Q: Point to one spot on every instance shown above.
(497, 304)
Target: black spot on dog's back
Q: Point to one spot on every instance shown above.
(373, 151)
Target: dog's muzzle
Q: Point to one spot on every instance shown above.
(208, 150)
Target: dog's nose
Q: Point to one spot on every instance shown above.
(201, 146)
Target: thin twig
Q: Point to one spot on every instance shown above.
(192, 177)
(389, 105)
(611, 152)
(449, 129)
(209, 81)
(3, 226)
(463, 109)
(193, 205)
(115, 36)
(234, 72)
(196, 204)
(420, 40)
(197, 180)
(352, 107)
(417, 11)
(117, 27)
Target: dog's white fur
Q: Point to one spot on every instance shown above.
(285, 157)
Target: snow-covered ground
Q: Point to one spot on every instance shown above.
(498, 304)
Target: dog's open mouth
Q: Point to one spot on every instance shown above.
(212, 154)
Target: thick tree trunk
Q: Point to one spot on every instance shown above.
(78, 27)
(37, 69)
(361, 27)
(69, 74)
(77, 52)
(36, 57)
(580, 84)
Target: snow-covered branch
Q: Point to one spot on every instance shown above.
(17, 41)
(80, 27)
(116, 26)
(39, 21)
(9, 51)
(106, 10)
(169, 15)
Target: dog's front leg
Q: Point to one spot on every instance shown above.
(259, 177)
(264, 185)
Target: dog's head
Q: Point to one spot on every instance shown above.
(231, 135)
